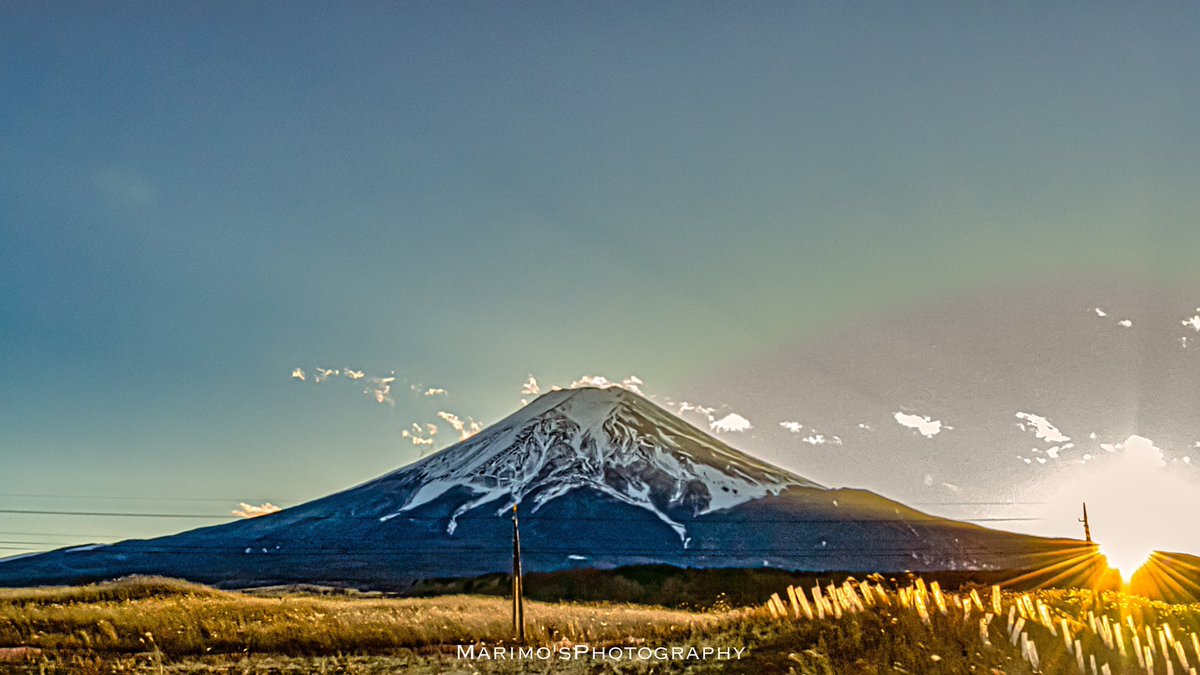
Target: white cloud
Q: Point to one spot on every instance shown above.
(420, 435)
(864, 425)
(731, 422)
(435, 391)
(1124, 323)
(1100, 312)
(1140, 452)
(1192, 322)
(793, 427)
(380, 388)
(245, 510)
(465, 429)
(707, 412)
(298, 374)
(632, 383)
(354, 374)
(531, 387)
(926, 426)
(815, 439)
(324, 374)
(1042, 428)
(599, 381)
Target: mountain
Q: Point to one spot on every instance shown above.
(602, 478)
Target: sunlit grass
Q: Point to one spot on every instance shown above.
(1051, 631)
(178, 618)
(873, 625)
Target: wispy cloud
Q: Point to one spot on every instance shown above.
(815, 439)
(434, 391)
(245, 510)
(1123, 323)
(380, 388)
(420, 435)
(531, 387)
(465, 428)
(704, 411)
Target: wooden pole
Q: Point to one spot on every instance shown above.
(518, 583)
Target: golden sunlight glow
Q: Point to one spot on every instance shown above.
(1137, 504)
(1126, 561)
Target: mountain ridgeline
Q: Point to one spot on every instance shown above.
(602, 478)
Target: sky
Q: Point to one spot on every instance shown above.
(728, 201)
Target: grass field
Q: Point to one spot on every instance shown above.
(161, 625)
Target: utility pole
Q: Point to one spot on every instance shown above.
(1087, 529)
(518, 585)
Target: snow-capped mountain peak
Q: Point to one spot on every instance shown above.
(610, 441)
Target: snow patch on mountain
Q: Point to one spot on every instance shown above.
(611, 441)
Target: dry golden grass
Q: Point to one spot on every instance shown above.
(156, 625)
(919, 628)
(177, 618)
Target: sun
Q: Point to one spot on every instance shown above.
(1137, 504)
(1125, 560)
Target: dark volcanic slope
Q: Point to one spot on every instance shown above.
(603, 478)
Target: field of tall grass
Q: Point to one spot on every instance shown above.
(166, 620)
(856, 626)
(867, 626)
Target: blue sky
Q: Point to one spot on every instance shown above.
(197, 198)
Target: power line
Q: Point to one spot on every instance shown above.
(60, 534)
(233, 500)
(109, 514)
(39, 543)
